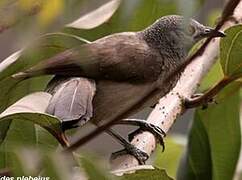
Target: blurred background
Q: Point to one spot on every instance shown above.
(20, 16)
(22, 21)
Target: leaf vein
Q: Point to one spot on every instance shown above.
(229, 51)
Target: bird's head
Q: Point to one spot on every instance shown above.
(197, 31)
(178, 32)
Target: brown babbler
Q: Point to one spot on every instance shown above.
(101, 80)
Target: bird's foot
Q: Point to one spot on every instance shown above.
(141, 156)
(129, 148)
(144, 126)
(156, 131)
(198, 99)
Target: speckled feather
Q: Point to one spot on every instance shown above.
(124, 66)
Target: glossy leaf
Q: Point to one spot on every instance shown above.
(92, 170)
(25, 161)
(96, 17)
(153, 174)
(132, 15)
(45, 15)
(8, 61)
(230, 51)
(56, 167)
(169, 159)
(44, 140)
(214, 140)
(22, 131)
(212, 77)
(18, 124)
(31, 108)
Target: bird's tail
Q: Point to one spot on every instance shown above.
(54, 65)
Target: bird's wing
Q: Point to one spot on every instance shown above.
(114, 98)
(119, 57)
(71, 100)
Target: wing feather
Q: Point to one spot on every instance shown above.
(121, 57)
(72, 99)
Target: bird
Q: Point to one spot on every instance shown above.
(100, 80)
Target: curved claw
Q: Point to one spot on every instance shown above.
(144, 126)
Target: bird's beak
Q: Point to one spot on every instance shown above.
(209, 32)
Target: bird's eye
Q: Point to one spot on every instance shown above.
(191, 30)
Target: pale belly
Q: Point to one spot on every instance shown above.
(115, 98)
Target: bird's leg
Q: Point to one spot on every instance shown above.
(198, 99)
(129, 148)
(144, 126)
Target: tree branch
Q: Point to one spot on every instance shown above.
(171, 106)
(207, 96)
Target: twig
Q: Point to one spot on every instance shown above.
(60, 137)
(171, 106)
(210, 93)
(63, 140)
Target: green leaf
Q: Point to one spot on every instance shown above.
(214, 141)
(96, 17)
(187, 8)
(149, 11)
(31, 108)
(28, 161)
(44, 140)
(25, 161)
(130, 16)
(19, 133)
(196, 162)
(212, 77)
(17, 107)
(230, 51)
(57, 167)
(24, 114)
(152, 174)
(40, 16)
(92, 170)
(169, 159)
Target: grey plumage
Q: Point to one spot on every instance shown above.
(125, 67)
